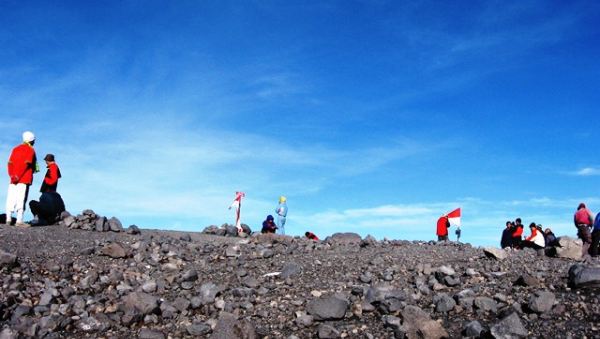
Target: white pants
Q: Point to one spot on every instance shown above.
(15, 201)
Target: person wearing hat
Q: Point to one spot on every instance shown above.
(52, 175)
(281, 211)
(22, 164)
(47, 211)
(584, 219)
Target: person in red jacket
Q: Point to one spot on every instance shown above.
(22, 163)
(442, 228)
(584, 219)
(311, 236)
(517, 233)
(52, 175)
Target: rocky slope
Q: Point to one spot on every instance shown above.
(72, 282)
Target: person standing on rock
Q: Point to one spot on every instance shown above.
(442, 228)
(22, 164)
(583, 220)
(281, 211)
(595, 237)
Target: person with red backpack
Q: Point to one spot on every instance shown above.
(583, 220)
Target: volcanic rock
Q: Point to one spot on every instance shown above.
(327, 308)
(569, 248)
(495, 253)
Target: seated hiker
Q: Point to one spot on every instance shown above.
(269, 225)
(47, 211)
(550, 238)
(506, 240)
(535, 240)
(517, 233)
(311, 236)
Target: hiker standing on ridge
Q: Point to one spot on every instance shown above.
(281, 211)
(595, 236)
(583, 220)
(22, 163)
(442, 228)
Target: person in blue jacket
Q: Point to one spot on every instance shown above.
(595, 236)
(281, 211)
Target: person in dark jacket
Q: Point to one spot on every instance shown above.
(595, 237)
(506, 240)
(52, 175)
(269, 225)
(550, 237)
(48, 209)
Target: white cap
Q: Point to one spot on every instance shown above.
(28, 136)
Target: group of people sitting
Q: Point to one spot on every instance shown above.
(512, 236)
(269, 226)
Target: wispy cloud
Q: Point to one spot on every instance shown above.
(587, 171)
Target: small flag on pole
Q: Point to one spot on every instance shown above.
(454, 217)
(237, 203)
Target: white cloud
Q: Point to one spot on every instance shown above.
(588, 171)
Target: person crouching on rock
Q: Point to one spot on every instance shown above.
(550, 237)
(311, 236)
(47, 211)
(269, 225)
(535, 240)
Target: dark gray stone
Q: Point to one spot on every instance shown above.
(99, 225)
(141, 302)
(189, 275)
(327, 308)
(583, 276)
(146, 333)
(290, 270)
(229, 327)
(509, 327)
(7, 259)
(473, 329)
(327, 331)
(208, 293)
(133, 230)
(486, 304)
(541, 301)
(344, 238)
(443, 303)
(115, 225)
(114, 250)
(198, 329)
(185, 237)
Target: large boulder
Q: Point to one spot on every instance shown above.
(344, 238)
(327, 308)
(229, 327)
(496, 253)
(583, 276)
(115, 225)
(417, 323)
(569, 248)
(509, 327)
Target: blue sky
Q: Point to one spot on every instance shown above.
(371, 116)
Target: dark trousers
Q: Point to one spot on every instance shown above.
(44, 216)
(443, 237)
(530, 244)
(595, 242)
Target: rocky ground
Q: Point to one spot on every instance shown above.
(60, 281)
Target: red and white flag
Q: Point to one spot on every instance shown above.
(454, 217)
(237, 203)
